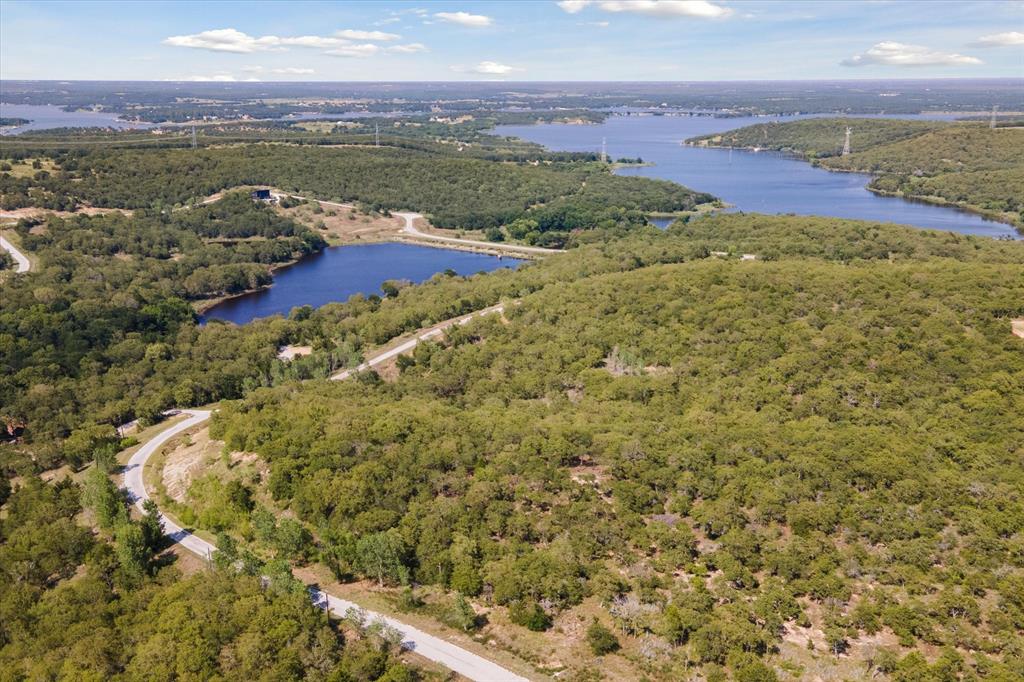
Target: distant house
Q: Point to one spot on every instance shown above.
(262, 195)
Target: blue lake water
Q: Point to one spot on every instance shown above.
(764, 182)
(337, 273)
(43, 117)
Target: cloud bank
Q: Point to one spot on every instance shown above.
(465, 19)
(233, 40)
(1000, 40)
(900, 54)
(701, 9)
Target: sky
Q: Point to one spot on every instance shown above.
(543, 40)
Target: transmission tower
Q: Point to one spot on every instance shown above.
(376, 134)
(194, 144)
(604, 150)
(992, 122)
(846, 144)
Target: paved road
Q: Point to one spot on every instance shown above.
(20, 259)
(412, 343)
(433, 648)
(410, 229)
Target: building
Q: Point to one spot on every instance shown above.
(262, 195)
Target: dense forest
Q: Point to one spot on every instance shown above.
(86, 595)
(103, 330)
(718, 452)
(966, 164)
(455, 192)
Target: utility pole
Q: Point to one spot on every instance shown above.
(194, 144)
(846, 144)
(992, 123)
(376, 134)
(604, 150)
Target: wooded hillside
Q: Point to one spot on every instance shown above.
(965, 164)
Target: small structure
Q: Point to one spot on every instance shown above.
(262, 195)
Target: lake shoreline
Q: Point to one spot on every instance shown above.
(994, 216)
(770, 183)
(335, 274)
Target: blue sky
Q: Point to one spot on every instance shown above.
(523, 40)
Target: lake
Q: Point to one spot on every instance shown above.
(47, 116)
(764, 182)
(337, 273)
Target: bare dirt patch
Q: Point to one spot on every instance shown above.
(344, 225)
(19, 213)
(1017, 327)
(187, 461)
(292, 352)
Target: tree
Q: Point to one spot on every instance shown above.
(104, 499)
(601, 640)
(132, 553)
(152, 526)
(462, 615)
(530, 615)
(381, 556)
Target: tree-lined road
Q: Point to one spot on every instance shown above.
(22, 261)
(385, 355)
(429, 646)
(411, 230)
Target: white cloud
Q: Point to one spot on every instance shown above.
(465, 19)
(494, 68)
(223, 40)
(409, 48)
(364, 50)
(701, 9)
(890, 53)
(283, 71)
(216, 78)
(573, 6)
(232, 40)
(1000, 39)
(322, 42)
(352, 34)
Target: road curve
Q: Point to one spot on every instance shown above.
(412, 343)
(410, 230)
(20, 259)
(429, 646)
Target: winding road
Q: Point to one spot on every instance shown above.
(385, 355)
(410, 230)
(429, 646)
(20, 259)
